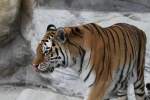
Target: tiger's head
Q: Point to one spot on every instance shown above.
(50, 53)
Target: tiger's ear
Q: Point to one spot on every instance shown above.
(51, 27)
(61, 35)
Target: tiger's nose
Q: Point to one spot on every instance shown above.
(35, 67)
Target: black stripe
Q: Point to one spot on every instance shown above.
(139, 59)
(129, 37)
(63, 56)
(86, 27)
(100, 34)
(140, 94)
(137, 86)
(123, 83)
(116, 85)
(121, 76)
(92, 27)
(97, 28)
(76, 31)
(128, 71)
(82, 54)
(88, 74)
(56, 50)
(89, 58)
(108, 55)
(117, 36)
(112, 38)
(121, 95)
(125, 44)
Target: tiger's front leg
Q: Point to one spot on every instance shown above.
(98, 91)
(87, 93)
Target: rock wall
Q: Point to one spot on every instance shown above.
(8, 15)
(97, 5)
(144, 2)
(15, 16)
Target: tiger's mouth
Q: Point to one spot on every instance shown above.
(43, 69)
(46, 68)
(49, 69)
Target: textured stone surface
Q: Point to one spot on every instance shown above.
(97, 5)
(15, 15)
(8, 15)
(144, 2)
(13, 56)
(43, 95)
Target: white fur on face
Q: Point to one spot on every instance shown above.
(47, 46)
(49, 43)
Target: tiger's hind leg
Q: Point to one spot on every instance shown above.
(139, 85)
(120, 91)
(139, 88)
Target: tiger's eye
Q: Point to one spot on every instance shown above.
(47, 48)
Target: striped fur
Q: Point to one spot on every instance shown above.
(106, 58)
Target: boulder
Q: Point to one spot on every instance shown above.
(8, 14)
(15, 16)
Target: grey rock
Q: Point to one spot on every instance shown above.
(13, 56)
(15, 16)
(8, 14)
(98, 5)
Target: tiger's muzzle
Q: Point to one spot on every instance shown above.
(49, 65)
(38, 68)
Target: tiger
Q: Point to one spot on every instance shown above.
(106, 58)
